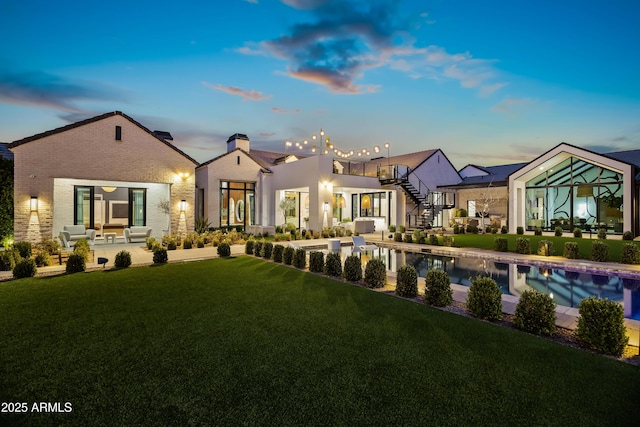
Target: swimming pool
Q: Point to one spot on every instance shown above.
(567, 287)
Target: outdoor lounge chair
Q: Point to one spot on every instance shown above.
(359, 245)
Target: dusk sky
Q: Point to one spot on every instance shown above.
(487, 82)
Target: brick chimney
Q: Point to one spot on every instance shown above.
(238, 140)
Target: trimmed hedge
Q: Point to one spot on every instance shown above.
(484, 299)
(316, 262)
(25, 268)
(333, 265)
(601, 325)
(267, 250)
(299, 258)
(76, 263)
(375, 274)
(571, 250)
(352, 268)
(437, 288)
(523, 245)
(602, 234)
(433, 239)
(558, 231)
(278, 250)
(257, 248)
(500, 244)
(43, 259)
(577, 233)
(407, 281)
(160, 256)
(599, 251)
(630, 254)
(23, 248)
(248, 247)
(287, 255)
(536, 313)
(123, 259)
(224, 250)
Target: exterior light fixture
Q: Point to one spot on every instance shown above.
(183, 205)
(108, 189)
(34, 203)
(325, 207)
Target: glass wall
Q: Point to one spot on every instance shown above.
(575, 194)
(237, 203)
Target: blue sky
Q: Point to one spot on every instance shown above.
(488, 82)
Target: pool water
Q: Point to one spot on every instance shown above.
(567, 287)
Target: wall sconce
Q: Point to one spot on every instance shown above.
(34, 203)
(183, 175)
(183, 205)
(325, 207)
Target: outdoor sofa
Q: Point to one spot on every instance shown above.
(138, 234)
(72, 233)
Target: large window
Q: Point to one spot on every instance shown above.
(237, 203)
(373, 204)
(575, 194)
(115, 207)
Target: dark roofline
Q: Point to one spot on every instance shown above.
(572, 146)
(93, 120)
(263, 169)
(438, 150)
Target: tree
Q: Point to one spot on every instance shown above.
(287, 204)
(6, 199)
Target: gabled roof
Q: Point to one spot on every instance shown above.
(496, 175)
(4, 151)
(93, 120)
(263, 168)
(413, 160)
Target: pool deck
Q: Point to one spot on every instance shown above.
(566, 317)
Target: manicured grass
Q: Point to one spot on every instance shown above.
(243, 341)
(485, 241)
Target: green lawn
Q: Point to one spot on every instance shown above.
(243, 341)
(486, 241)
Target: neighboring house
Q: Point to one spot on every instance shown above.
(106, 173)
(570, 187)
(484, 190)
(246, 187)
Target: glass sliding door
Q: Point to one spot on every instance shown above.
(137, 207)
(83, 206)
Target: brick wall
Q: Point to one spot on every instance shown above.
(91, 153)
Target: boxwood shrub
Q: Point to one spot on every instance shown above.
(278, 250)
(599, 251)
(160, 256)
(82, 247)
(577, 233)
(123, 259)
(397, 237)
(536, 313)
(437, 288)
(9, 259)
(316, 262)
(500, 244)
(504, 229)
(23, 248)
(224, 250)
(601, 325)
(408, 238)
(333, 265)
(602, 233)
(520, 230)
(43, 259)
(76, 263)
(248, 247)
(484, 299)
(571, 250)
(433, 239)
(375, 274)
(558, 231)
(299, 258)
(287, 255)
(407, 281)
(352, 268)
(627, 235)
(630, 254)
(538, 231)
(257, 248)
(25, 268)
(545, 247)
(523, 245)
(267, 250)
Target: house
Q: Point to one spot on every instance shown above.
(483, 190)
(106, 173)
(571, 187)
(254, 188)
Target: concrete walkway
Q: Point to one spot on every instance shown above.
(566, 316)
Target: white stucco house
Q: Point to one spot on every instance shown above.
(246, 187)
